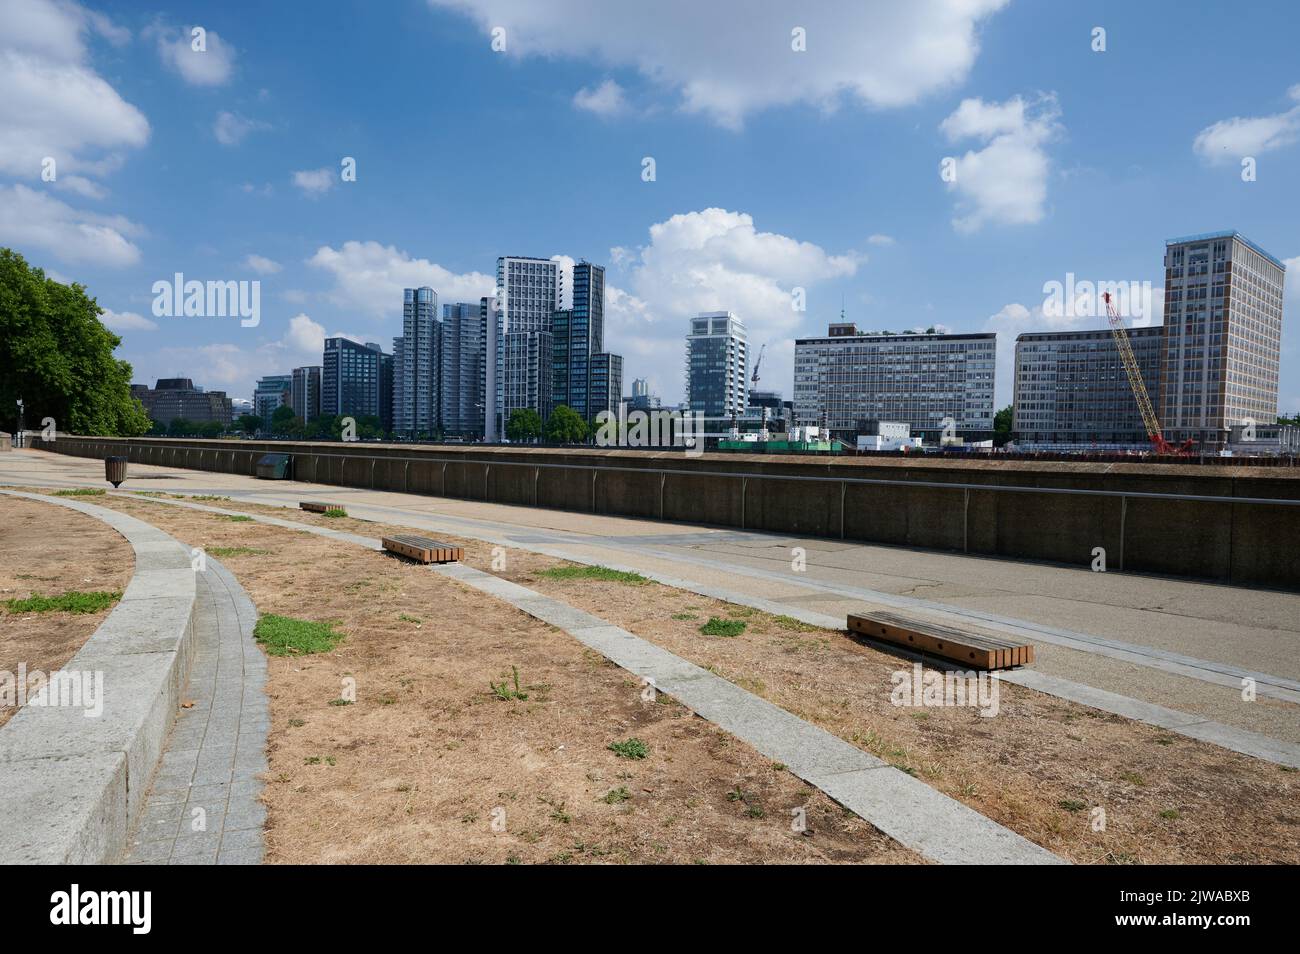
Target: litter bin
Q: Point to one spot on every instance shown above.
(274, 466)
(115, 470)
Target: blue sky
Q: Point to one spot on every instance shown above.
(775, 169)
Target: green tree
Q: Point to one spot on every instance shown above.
(250, 423)
(179, 427)
(1002, 426)
(369, 426)
(57, 356)
(525, 424)
(566, 426)
(283, 420)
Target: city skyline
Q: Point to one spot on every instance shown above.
(230, 167)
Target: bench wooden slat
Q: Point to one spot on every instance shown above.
(976, 650)
(317, 506)
(422, 549)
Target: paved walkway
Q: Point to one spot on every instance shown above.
(202, 804)
(917, 816)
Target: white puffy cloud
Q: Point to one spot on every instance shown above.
(212, 66)
(607, 99)
(262, 265)
(1229, 140)
(370, 277)
(1005, 182)
(315, 182)
(126, 321)
(36, 220)
(711, 260)
(879, 239)
(230, 129)
(726, 64)
(54, 104)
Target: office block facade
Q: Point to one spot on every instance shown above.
(717, 364)
(305, 392)
(272, 391)
(352, 378)
(847, 378)
(417, 365)
(1071, 387)
(177, 398)
(1223, 336)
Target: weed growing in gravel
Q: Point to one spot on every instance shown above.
(503, 692)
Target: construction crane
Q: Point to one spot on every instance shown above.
(1149, 419)
(753, 380)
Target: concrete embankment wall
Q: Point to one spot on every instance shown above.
(961, 506)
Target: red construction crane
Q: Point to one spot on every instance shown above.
(1149, 420)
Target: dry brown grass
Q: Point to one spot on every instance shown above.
(1040, 767)
(47, 550)
(418, 768)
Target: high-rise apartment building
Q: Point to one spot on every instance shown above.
(846, 379)
(272, 391)
(304, 395)
(580, 365)
(528, 294)
(417, 365)
(606, 388)
(1071, 387)
(1223, 336)
(717, 365)
(461, 378)
(353, 378)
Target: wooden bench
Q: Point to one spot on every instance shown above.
(976, 650)
(422, 549)
(317, 506)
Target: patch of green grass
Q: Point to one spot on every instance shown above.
(603, 573)
(690, 616)
(148, 493)
(723, 627)
(237, 518)
(1169, 814)
(410, 619)
(633, 749)
(81, 492)
(71, 602)
(1072, 805)
(236, 551)
(208, 497)
(340, 702)
(503, 691)
(286, 636)
(335, 512)
(616, 796)
(1133, 778)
